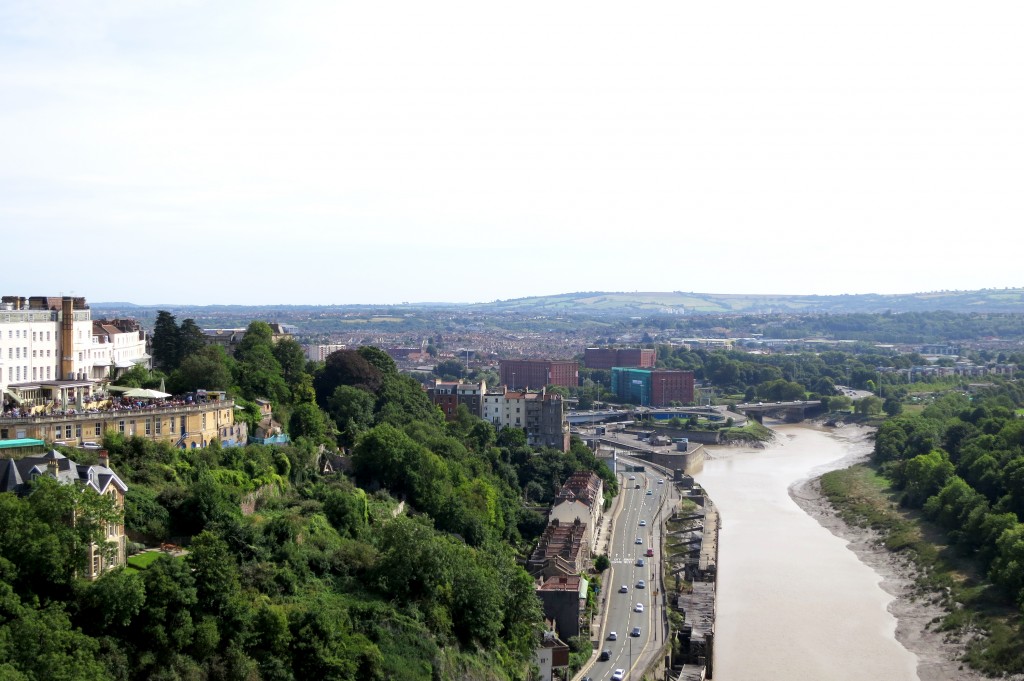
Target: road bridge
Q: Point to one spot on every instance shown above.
(791, 412)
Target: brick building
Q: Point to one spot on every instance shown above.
(449, 395)
(606, 358)
(538, 373)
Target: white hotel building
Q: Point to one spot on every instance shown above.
(51, 352)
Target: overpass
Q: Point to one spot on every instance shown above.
(791, 412)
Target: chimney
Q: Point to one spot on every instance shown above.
(67, 338)
(52, 466)
(104, 458)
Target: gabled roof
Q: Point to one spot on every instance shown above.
(16, 474)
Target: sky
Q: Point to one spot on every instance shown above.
(254, 152)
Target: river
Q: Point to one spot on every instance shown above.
(794, 602)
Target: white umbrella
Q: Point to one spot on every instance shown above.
(146, 393)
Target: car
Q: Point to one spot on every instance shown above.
(641, 584)
(632, 477)
(637, 486)
(606, 654)
(643, 523)
(619, 675)
(639, 607)
(639, 562)
(649, 492)
(635, 632)
(623, 589)
(587, 678)
(612, 636)
(639, 540)
(661, 481)
(650, 552)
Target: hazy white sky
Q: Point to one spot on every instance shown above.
(341, 152)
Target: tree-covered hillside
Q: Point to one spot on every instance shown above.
(405, 568)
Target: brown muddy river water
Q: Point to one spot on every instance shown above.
(794, 602)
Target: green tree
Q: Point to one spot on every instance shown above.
(308, 420)
(352, 411)
(165, 341)
(346, 367)
(191, 340)
(892, 406)
(207, 369)
(292, 359)
(215, 573)
(925, 475)
(450, 369)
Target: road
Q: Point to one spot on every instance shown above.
(633, 652)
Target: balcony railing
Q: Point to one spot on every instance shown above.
(75, 415)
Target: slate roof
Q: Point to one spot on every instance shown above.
(16, 474)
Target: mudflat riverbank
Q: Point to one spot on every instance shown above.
(937, 652)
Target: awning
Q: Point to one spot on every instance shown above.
(124, 363)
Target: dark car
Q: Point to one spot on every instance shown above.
(605, 655)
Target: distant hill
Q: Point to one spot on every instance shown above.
(678, 302)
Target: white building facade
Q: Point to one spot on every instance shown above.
(49, 351)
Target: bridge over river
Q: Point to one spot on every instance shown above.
(791, 412)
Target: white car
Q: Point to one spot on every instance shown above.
(612, 636)
(643, 523)
(639, 540)
(639, 607)
(623, 589)
(661, 481)
(619, 675)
